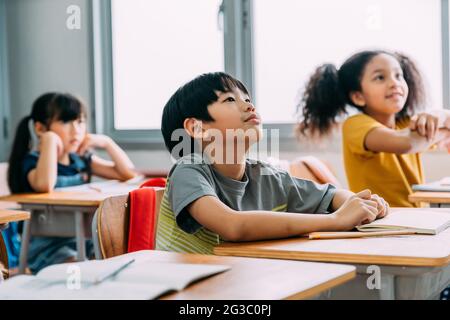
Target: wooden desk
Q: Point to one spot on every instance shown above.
(249, 278)
(435, 199)
(58, 213)
(401, 258)
(7, 216)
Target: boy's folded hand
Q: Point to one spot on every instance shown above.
(381, 205)
(357, 210)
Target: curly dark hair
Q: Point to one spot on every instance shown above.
(327, 92)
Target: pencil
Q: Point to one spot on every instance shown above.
(357, 234)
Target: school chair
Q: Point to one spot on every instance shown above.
(4, 189)
(115, 231)
(314, 169)
(3, 259)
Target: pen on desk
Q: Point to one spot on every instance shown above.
(94, 188)
(356, 234)
(113, 274)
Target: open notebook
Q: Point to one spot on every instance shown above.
(112, 279)
(107, 186)
(442, 185)
(398, 222)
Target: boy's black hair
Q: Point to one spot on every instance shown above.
(328, 91)
(192, 101)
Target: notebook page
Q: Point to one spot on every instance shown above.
(416, 219)
(175, 275)
(30, 288)
(92, 271)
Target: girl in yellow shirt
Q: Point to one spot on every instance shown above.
(381, 144)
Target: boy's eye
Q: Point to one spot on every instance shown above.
(248, 100)
(379, 77)
(229, 99)
(399, 75)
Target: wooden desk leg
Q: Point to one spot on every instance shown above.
(25, 242)
(79, 231)
(387, 291)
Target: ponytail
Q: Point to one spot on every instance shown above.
(322, 101)
(416, 97)
(21, 146)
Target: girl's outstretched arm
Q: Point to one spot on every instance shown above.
(120, 167)
(404, 141)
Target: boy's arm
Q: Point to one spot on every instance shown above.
(340, 196)
(234, 225)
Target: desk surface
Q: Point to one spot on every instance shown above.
(408, 250)
(248, 278)
(86, 195)
(430, 197)
(82, 199)
(13, 215)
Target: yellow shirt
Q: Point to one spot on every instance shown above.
(387, 174)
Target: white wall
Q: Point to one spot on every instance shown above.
(44, 55)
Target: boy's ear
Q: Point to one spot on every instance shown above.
(194, 128)
(357, 98)
(39, 128)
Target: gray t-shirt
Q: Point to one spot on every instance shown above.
(263, 187)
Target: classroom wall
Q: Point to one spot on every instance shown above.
(44, 55)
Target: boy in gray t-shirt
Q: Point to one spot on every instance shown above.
(210, 198)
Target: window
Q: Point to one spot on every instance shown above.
(292, 38)
(152, 47)
(157, 46)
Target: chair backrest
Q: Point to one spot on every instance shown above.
(3, 259)
(314, 169)
(111, 224)
(4, 190)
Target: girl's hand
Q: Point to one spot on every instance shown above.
(49, 138)
(425, 124)
(93, 141)
(445, 144)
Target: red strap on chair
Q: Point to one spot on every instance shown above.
(154, 182)
(142, 219)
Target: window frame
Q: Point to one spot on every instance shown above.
(5, 112)
(445, 42)
(238, 59)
